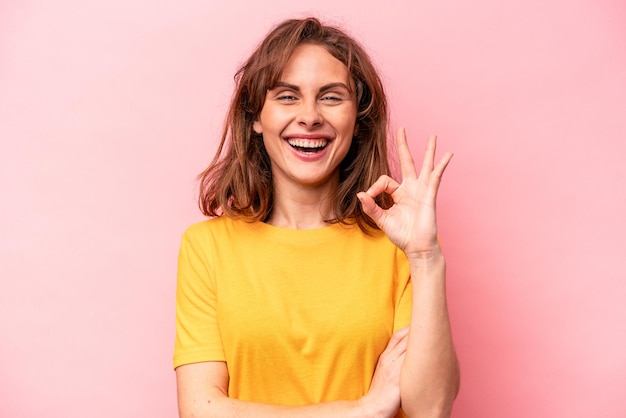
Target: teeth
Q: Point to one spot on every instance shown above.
(307, 143)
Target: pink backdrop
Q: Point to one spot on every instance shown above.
(108, 109)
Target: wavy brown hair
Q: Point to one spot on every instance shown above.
(238, 182)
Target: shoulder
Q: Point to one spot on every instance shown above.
(209, 239)
(217, 226)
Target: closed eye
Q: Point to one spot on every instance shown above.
(332, 99)
(286, 97)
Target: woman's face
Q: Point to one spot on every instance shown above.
(308, 120)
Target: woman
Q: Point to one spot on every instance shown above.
(317, 288)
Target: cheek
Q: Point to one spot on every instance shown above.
(347, 119)
(271, 120)
(348, 125)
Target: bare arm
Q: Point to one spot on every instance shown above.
(203, 388)
(430, 375)
(203, 392)
(430, 379)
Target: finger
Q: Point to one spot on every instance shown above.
(370, 208)
(399, 339)
(407, 165)
(429, 157)
(401, 333)
(397, 346)
(383, 184)
(442, 164)
(439, 169)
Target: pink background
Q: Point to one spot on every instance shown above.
(108, 109)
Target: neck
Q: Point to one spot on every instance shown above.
(299, 208)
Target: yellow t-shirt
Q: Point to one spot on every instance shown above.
(300, 317)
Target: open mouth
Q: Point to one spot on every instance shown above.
(308, 145)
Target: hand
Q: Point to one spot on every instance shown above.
(383, 398)
(411, 222)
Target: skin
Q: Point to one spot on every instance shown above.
(418, 369)
(430, 377)
(202, 392)
(315, 101)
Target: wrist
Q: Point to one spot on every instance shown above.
(365, 407)
(429, 255)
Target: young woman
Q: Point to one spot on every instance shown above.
(317, 288)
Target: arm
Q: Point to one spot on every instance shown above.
(203, 388)
(203, 392)
(429, 380)
(430, 375)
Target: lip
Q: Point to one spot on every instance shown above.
(308, 156)
(308, 136)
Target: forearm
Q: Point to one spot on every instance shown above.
(202, 390)
(217, 404)
(430, 375)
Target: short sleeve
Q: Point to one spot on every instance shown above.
(197, 333)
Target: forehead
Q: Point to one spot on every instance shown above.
(312, 63)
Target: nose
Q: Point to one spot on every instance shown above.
(309, 114)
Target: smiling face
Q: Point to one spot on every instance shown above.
(308, 120)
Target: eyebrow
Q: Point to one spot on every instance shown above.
(323, 88)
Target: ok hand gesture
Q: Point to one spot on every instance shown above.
(411, 222)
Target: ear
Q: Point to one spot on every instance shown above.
(356, 130)
(256, 126)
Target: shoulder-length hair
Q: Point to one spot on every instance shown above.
(238, 182)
